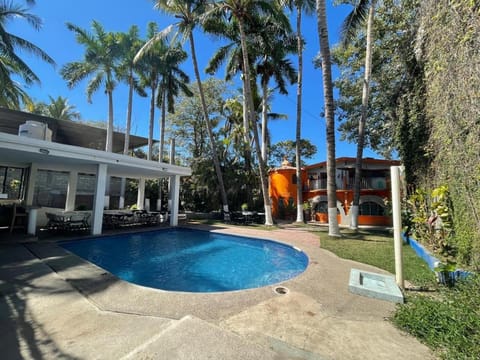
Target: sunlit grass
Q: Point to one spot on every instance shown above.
(377, 249)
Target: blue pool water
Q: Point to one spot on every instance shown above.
(193, 261)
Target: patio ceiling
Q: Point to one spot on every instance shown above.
(23, 151)
(68, 132)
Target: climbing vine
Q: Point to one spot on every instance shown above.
(449, 42)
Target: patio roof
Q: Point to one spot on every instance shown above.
(21, 150)
(68, 132)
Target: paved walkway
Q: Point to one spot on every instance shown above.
(55, 305)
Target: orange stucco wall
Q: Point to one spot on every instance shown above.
(281, 186)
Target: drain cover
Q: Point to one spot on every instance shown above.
(281, 290)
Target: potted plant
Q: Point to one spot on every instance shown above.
(445, 273)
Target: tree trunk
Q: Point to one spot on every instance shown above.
(333, 229)
(250, 112)
(128, 124)
(363, 120)
(216, 161)
(151, 120)
(108, 142)
(264, 121)
(298, 134)
(162, 126)
(126, 143)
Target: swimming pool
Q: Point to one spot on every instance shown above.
(192, 260)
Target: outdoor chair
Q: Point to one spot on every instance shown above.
(54, 222)
(77, 221)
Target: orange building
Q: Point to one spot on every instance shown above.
(375, 189)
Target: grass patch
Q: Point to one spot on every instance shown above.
(448, 322)
(377, 249)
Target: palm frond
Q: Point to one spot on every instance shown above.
(354, 21)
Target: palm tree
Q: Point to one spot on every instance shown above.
(268, 52)
(99, 63)
(173, 79)
(130, 43)
(58, 108)
(231, 55)
(333, 229)
(149, 63)
(307, 6)
(350, 27)
(189, 12)
(273, 64)
(11, 92)
(240, 11)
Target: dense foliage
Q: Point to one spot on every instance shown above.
(424, 102)
(448, 322)
(449, 37)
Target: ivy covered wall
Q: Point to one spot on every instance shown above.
(448, 41)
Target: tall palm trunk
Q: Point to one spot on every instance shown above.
(126, 143)
(108, 143)
(162, 126)
(251, 118)
(246, 132)
(298, 134)
(216, 161)
(363, 119)
(264, 120)
(153, 86)
(128, 124)
(333, 229)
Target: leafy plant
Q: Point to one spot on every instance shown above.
(446, 273)
(290, 207)
(430, 219)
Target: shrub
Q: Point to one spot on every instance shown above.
(430, 220)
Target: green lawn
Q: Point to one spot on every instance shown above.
(376, 248)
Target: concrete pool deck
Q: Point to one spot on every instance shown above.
(55, 305)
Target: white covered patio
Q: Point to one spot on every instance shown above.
(35, 155)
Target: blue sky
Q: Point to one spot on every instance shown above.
(119, 15)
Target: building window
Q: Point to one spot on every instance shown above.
(85, 191)
(294, 179)
(51, 189)
(371, 208)
(12, 182)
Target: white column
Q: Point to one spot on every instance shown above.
(141, 194)
(123, 185)
(98, 201)
(174, 197)
(397, 225)
(31, 185)
(71, 191)
(106, 204)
